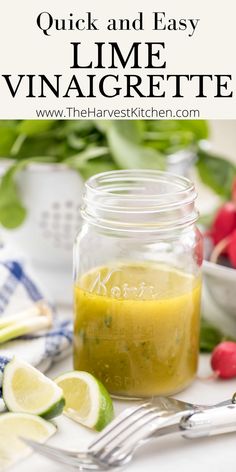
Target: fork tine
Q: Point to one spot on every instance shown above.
(72, 459)
(160, 403)
(124, 448)
(55, 450)
(120, 439)
(121, 428)
(120, 433)
(121, 421)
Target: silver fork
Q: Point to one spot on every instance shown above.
(115, 446)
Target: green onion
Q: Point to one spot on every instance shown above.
(35, 318)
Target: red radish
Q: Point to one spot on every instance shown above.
(224, 222)
(223, 231)
(220, 249)
(231, 248)
(223, 360)
(225, 219)
(227, 247)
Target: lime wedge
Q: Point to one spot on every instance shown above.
(87, 400)
(13, 425)
(26, 390)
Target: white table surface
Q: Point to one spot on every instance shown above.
(217, 454)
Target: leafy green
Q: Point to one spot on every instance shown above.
(12, 212)
(125, 140)
(8, 135)
(216, 172)
(172, 135)
(95, 167)
(80, 160)
(92, 160)
(91, 146)
(210, 336)
(34, 127)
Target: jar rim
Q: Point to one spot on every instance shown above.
(125, 200)
(141, 174)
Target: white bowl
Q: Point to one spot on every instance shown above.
(221, 284)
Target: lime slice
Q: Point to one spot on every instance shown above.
(26, 390)
(13, 425)
(87, 400)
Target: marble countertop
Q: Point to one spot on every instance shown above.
(164, 454)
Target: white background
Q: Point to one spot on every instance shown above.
(26, 50)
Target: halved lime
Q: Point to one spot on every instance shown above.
(26, 390)
(87, 400)
(13, 425)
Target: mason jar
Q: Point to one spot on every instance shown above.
(137, 283)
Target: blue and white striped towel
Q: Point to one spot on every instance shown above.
(18, 291)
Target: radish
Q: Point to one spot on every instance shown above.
(223, 360)
(231, 248)
(224, 223)
(226, 246)
(225, 219)
(223, 230)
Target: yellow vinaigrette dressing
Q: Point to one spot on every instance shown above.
(137, 328)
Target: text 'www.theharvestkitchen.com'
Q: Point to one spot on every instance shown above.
(132, 113)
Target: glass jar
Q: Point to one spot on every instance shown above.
(137, 283)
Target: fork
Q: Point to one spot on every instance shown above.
(160, 416)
